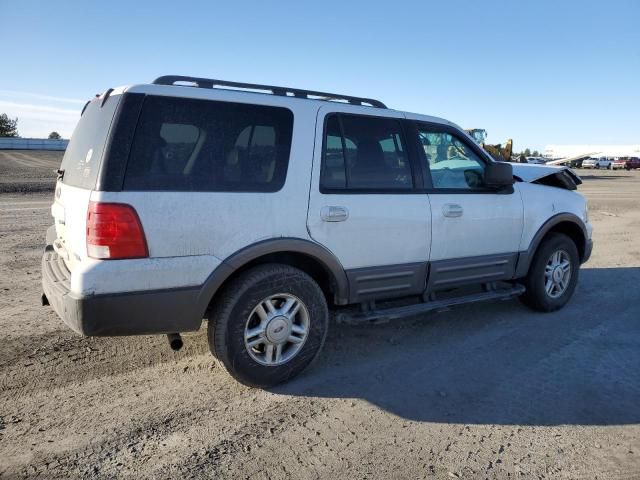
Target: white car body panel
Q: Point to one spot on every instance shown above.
(532, 172)
(118, 276)
(382, 229)
(213, 223)
(69, 211)
(542, 202)
(489, 224)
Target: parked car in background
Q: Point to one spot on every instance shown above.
(618, 163)
(632, 163)
(536, 160)
(576, 163)
(602, 162)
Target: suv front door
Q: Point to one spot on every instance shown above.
(367, 205)
(476, 230)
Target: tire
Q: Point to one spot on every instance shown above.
(243, 307)
(536, 295)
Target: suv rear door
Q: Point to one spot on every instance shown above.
(365, 205)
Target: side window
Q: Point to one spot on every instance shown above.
(364, 153)
(333, 172)
(200, 145)
(179, 142)
(452, 163)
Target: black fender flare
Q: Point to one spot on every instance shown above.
(245, 255)
(525, 258)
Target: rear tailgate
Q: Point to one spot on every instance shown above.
(69, 211)
(78, 176)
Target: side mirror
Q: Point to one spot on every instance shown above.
(498, 174)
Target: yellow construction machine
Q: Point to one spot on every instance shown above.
(501, 152)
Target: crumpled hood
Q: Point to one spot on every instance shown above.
(528, 172)
(552, 175)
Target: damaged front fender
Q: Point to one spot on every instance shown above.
(552, 176)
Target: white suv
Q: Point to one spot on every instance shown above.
(263, 208)
(602, 162)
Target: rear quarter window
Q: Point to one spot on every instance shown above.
(82, 159)
(202, 145)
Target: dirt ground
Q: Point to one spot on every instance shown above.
(485, 391)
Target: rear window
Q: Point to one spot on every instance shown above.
(82, 158)
(202, 145)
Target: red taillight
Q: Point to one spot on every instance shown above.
(114, 231)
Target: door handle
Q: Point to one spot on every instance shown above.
(334, 214)
(452, 210)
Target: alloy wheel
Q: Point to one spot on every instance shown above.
(276, 329)
(557, 274)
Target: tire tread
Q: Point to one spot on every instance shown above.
(231, 294)
(535, 297)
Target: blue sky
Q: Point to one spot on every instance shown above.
(541, 72)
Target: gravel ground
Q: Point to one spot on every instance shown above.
(485, 391)
(28, 171)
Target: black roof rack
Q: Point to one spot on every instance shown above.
(282, 91)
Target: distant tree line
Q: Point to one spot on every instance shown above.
(8, 126)
(528, 153)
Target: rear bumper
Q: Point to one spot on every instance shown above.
(135, 313)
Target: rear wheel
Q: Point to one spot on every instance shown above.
(553, 274)
(269, 324)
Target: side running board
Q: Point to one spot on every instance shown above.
(387, 314)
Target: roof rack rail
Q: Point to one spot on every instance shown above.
(282, 91)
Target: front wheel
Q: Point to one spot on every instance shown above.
(553, 274)
(268, 325)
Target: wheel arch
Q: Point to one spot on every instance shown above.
(310, 257)
(565, 223)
